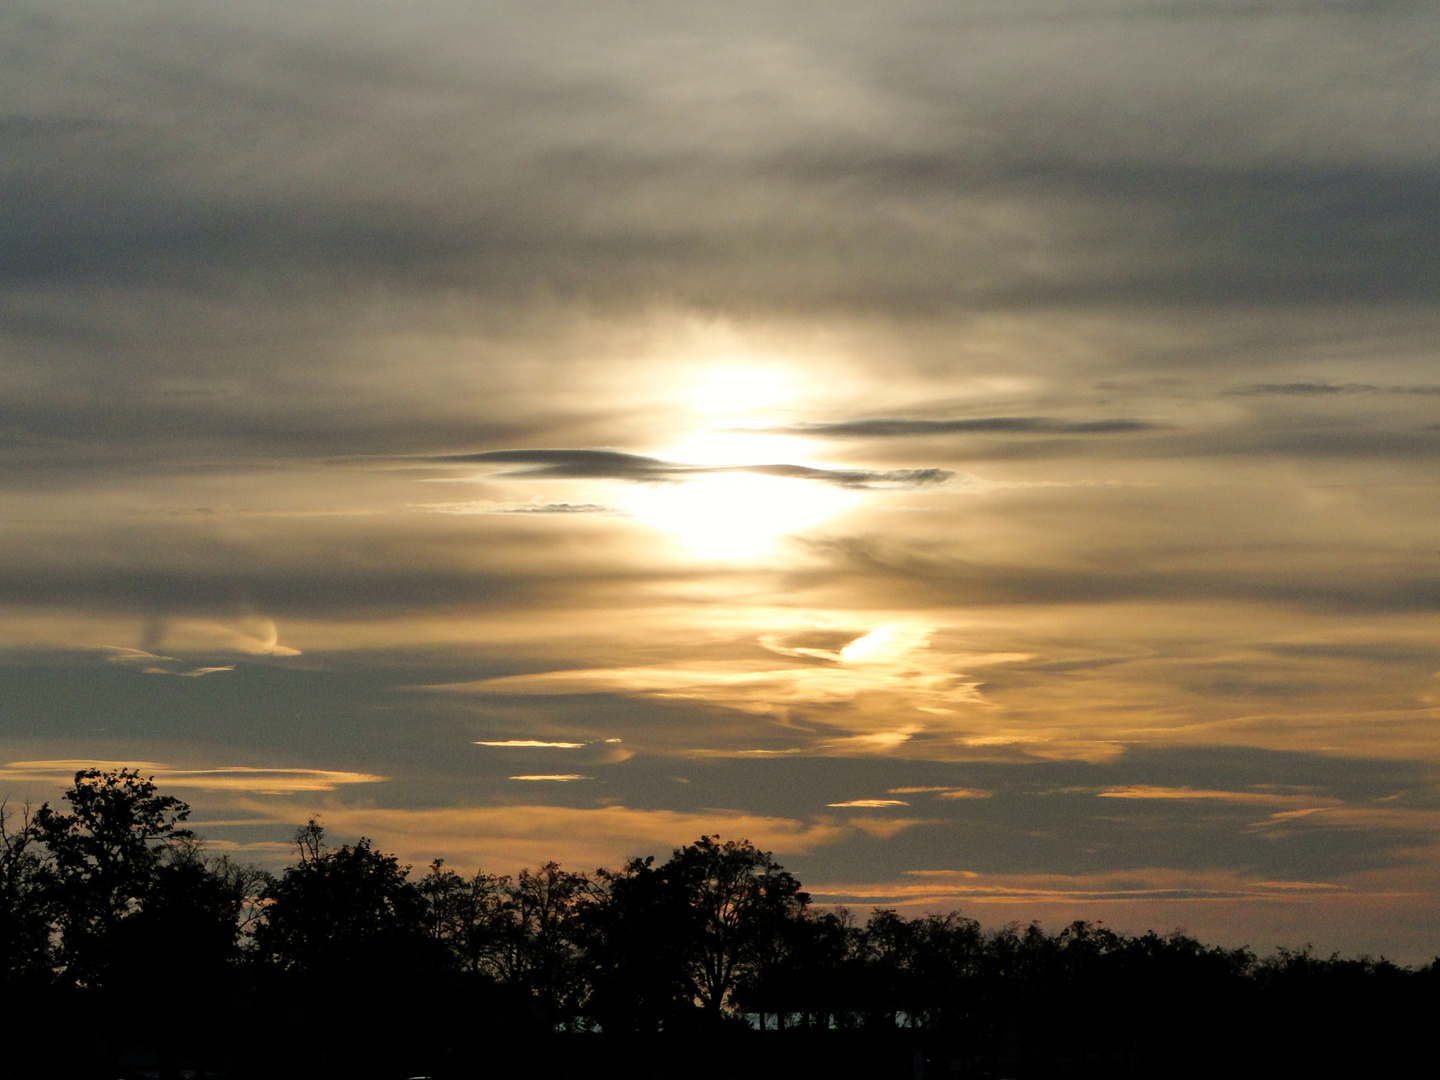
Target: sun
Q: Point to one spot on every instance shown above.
(736, 515)
(738, 389)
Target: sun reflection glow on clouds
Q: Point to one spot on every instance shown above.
(881, 690)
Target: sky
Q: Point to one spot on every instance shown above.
(984, 453)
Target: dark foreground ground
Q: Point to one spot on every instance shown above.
(258, 1039)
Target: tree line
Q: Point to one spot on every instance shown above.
(127, 948)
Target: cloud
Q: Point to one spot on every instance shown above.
(193, 673)
(557, 508)
(937, 575)
(298, 584)
(935, 889)
(830, 180)
(237, 778)
(508, 837)
(1324, 389)
(871, 804)
(1244, 798)
(1376, 819)
(253, 637)
(1304, 389)
(260, 637)
(870, 743)
(121, 655)
(1381, 652)
(890, 671)
(558, 777)
(482, 506)
(570, 464)
(949, 793)
(884, 828)
(618, 465)
(901, 427)
(530, 743)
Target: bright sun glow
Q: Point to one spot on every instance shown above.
(735, 515)
(730, 390)
(737, 448)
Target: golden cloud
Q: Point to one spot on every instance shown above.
(1357, 817)
(503, 838)
(560, 777)
(1244, 798)
(240, 778)
(893, 665)
(943, 792)
(934, 889)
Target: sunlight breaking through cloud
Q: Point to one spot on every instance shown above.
(1028, 412)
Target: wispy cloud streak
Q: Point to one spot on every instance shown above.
(907, 427)
(237, 778)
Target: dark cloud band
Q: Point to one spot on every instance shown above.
(584, 464)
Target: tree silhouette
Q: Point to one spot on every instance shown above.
(338, 908)
(132, 909)
(540, 948)
(105, 856)
(25, 888)
(343, 936)
(110, 907)
(470, 917)
(733, 899)
(823, 977)
(634, 941)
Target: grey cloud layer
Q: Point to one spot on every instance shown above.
(301, 172)
(923, 578)
(1134, 234)
(1306, 389)
(866, 165)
